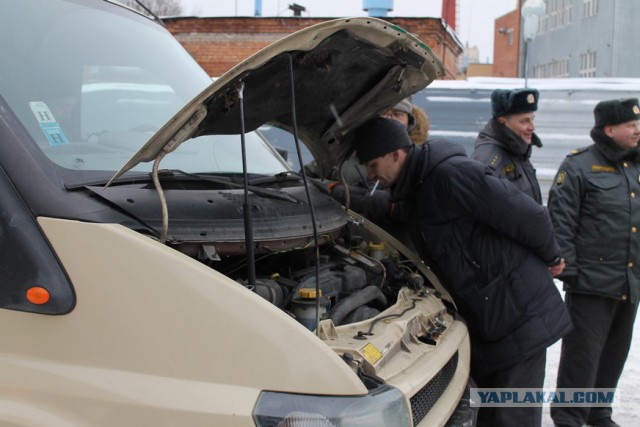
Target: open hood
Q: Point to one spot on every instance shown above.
(342, 72)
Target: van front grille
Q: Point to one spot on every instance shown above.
(423, 400)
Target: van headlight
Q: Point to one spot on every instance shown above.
(385, 406)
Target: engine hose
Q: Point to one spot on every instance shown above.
(350, 303)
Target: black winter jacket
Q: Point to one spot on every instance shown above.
(490, 243)
(508, 155)
(595, 207)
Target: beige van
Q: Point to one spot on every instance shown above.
(162, 265)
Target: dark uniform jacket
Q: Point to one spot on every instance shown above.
(490, 244)
(508, 155)
(595, 207)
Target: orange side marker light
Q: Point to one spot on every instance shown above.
(38, 295)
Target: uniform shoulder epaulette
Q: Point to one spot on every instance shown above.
(578, 151)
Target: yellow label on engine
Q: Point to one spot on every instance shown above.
(371, 353)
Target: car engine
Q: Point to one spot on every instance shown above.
(358, 276)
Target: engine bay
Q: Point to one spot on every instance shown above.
(358, 277)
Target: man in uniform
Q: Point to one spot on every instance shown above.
(506, 141)
(492, 246)
(595, 207)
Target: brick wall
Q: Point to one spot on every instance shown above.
(219, 43)
(506, 45)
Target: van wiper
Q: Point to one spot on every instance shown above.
(277, 178)
(166, 174)
(265, 192)
(129, 179)
(141, 178)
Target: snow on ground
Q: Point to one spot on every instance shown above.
(607, 84)
(628, 393)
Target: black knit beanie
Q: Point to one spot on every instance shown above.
(616, 111)
(378, 137)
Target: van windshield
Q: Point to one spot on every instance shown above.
(90, 102)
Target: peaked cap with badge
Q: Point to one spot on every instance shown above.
(513, 101)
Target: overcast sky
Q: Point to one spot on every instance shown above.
(475, 17)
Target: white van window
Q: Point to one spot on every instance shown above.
(107, 101)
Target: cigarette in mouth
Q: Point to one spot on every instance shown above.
(374, 187)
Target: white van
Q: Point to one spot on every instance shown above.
(162, 265)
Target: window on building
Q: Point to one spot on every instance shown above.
(588, 64)
(559, 68)
(508, 32)
(542, 24)
(558, 15)
(538, 72)
(589, 8)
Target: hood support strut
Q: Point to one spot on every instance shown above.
(294, 122)
(246, 206)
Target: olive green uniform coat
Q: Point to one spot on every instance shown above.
(594, 204)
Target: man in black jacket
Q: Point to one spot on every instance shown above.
(506, 141)
(490, 243)
(595, 208)
(364, 196)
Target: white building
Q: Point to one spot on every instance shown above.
(586, 38)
